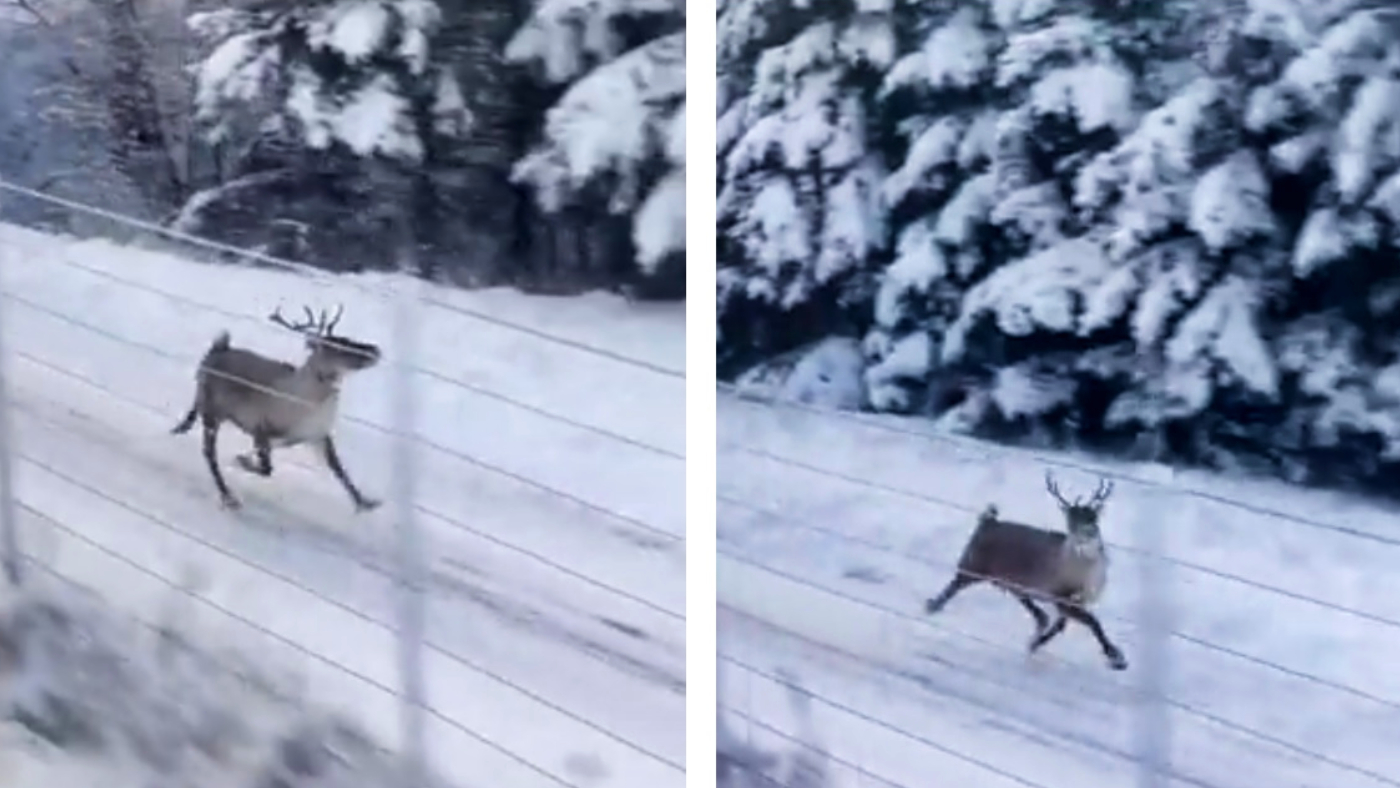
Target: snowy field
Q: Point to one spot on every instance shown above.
(556, 545)
(833, 530)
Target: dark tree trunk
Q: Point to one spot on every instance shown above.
(141, 148)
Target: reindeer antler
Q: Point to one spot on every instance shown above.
(317, 325)
(328, 328)
(1104, 490)
(1054, 490)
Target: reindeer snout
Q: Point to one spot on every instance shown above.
(361, 355)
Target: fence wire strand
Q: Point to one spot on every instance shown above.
(1190, 566)
(496, 470)
(1152, 773)
(411, 602)
(949, 567)
(168, 233)
(872, 422)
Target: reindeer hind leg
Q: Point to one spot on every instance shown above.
(960, 581)
(211, 457)
(259, 460)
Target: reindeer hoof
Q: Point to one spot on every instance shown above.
(1117, 661)
(231, 503)
(367, 505)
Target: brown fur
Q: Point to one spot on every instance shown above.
(1064, 568)
(276, 403)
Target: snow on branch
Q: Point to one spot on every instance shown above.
(956, 56)
(1175, 276)
(1040, 292)
(1368, 144)
(1010, 14)
(935, 148)
(616, 120)
(1329, 236)
(1150, 178)
(321, 69)
(1230, 205)
(567, 38)
(1314, 84)
(1096, 95)
(1222, 328)
(1069, 38)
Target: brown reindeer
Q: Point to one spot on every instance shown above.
(1065, 568)
(276, 403)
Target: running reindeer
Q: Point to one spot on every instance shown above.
(275, 403)
(1067, 569)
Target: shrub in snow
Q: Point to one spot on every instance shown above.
(826, 374)
(617, 134)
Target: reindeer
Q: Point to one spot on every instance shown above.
(275, 403)
(1067, 569)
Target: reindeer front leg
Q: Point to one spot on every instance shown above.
(333, 460)
(1115, 657)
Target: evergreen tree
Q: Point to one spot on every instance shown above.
(348, 101)
(999, 105)
(616, 135)
(801, 221)
(1105, 220)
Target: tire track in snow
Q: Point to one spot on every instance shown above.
(182, 486)
(450, 577)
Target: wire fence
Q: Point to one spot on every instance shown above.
(401, 615)
(771, 550)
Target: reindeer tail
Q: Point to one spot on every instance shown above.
(219, 345)
(187, 422)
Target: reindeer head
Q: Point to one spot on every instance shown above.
(1081, 517)
(332, 356)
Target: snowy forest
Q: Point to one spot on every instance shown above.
(531, 143)
(1165, 231)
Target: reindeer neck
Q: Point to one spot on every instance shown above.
(1080, 544)
(316, 380)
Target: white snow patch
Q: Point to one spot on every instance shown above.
(103, 342)
(826, 373)
(1035, 293)
(826, 582)
(1096, 95)
(956, 56)
(1230, 205)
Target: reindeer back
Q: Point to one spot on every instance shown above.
(1014, 555)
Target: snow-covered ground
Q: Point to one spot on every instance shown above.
(555, 616)
(834, 529)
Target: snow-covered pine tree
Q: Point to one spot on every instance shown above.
(616, 136)
(801, 222)
(1339, 347)
(355, 80)
(1000, 103)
